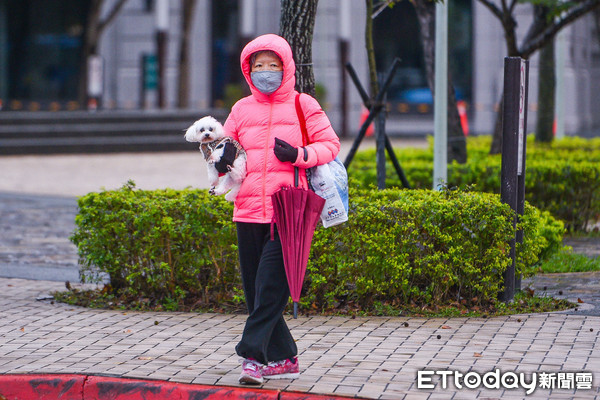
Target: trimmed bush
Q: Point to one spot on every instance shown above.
(169, 246)
(562, 178)
(399, 247)
(423, 247)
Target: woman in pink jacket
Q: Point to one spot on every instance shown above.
(266, 125)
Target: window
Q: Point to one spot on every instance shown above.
(44, 42)
(396, 33)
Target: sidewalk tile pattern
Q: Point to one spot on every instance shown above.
(374, 357)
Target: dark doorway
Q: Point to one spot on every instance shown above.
(227, 78)
(42, 41)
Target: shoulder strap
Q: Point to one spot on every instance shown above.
(302, 121)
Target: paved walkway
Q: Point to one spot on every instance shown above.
(365, 357)
(360, 357)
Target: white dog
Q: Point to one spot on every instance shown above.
(209, 132)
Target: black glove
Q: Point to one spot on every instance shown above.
(285, 151)
(222, 166)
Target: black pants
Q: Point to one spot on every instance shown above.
(266, 336)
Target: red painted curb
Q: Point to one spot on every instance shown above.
(41, 387)
(84, 387)
(103, 388)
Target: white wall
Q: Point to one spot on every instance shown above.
(132, 34)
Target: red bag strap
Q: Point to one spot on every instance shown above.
(302, 121)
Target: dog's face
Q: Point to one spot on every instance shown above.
(204, 130)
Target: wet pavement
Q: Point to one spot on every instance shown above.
(580, 288)
(34, 237)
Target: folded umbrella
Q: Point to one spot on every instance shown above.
(296, 213)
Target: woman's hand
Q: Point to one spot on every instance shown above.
(285, 151)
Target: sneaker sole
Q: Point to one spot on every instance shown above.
(283, 376)
(249, 380)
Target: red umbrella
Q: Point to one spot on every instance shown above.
(296, 213)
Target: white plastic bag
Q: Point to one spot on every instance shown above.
(330, 181)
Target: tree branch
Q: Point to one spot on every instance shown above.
(539, 24)
(537, 42)
(493, 8)
(382, 7)
(111, 15)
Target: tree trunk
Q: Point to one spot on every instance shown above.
(183, 80)
(90, 47)
(93, 33)
(546, 90)
(296, 25)
(457, 147)
(509, 26)
(373, 82)
(541, 32)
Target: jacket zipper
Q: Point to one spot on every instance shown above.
(264, 175)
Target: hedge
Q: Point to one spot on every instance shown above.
(178, 247)
(167, 245)
(562, 178)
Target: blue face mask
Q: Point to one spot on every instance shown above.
(267, 81)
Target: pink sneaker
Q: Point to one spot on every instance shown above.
(284, 369)
(251, 372)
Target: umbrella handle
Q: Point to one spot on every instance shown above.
(296, 176)
(295, 310)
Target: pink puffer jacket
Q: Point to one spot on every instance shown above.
(255, 121)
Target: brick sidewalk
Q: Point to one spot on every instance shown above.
(375, 357)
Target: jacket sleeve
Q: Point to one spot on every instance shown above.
(230, 126)
(324, 143)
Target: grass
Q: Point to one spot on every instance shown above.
(525, 302)
(567, 261)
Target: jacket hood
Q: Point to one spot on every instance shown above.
(282, 48)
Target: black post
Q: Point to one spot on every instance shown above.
(161, 53)
(363, 93)
(361, 134)
(396, 163)
(143, 82)
(510, 144)
(343, 44)
(380, 145)
(375, 106)
(524, 99)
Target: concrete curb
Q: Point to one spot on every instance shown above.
(88, 387)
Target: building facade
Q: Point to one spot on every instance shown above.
(39, 58)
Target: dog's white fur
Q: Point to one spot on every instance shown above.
(209, 132)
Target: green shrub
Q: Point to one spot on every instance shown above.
(399, 247)
(562, 178)
(166, 245)
(423, 247)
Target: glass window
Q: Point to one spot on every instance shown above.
(396, 33)
(44, 41)
(226, 75)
